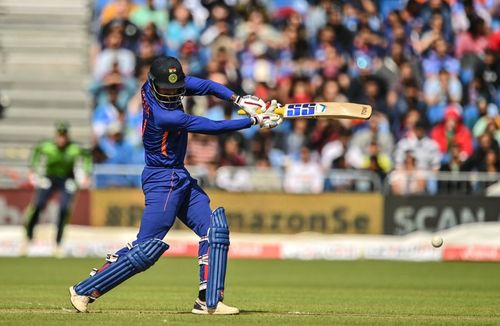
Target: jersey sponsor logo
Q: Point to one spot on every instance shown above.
(300, 110)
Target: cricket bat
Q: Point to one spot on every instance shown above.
(326, 110)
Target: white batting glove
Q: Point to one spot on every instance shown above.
(250, 104)
(267, 120)
(273, 106)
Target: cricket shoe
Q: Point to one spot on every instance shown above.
(80, 302)
(200, 308)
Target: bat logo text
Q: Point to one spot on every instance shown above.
(300, 110)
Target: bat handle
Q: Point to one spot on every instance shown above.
(259, 111)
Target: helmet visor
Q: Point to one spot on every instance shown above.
(168, 96)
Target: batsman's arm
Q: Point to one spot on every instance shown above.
(178, 120)
(197, 86)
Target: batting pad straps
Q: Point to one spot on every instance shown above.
(218, 240)
(137, 259)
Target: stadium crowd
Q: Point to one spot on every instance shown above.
(429, 68)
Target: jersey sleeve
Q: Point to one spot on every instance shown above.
(35, 156)
(86, 158)
(178, 120)
(198, 86)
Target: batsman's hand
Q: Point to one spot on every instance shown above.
(275, 107)
(250, 104)
(267, 120)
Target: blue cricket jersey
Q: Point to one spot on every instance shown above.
(165, 132)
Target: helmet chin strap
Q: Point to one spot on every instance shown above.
(168, 104)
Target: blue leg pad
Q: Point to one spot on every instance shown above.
(138, 259)
(218, 240)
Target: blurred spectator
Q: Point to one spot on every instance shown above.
(217, 25)
(438, 13)
(114, 54)
(453, 165)
(256, 24)
(202, 149)
(231, 153)
(179, 30)
(125, 86)
(377, 161)
(120, 9)
(424, 149)
(452, 132)
(107, 113)
(488, 71)
(473, 41)
(478, 160)
(487, 121)
(234, 179)
(339, 154)
(117, 151)
(303, 175)
(407, 180)
(439, 92)
(124, 27)
(377, 131)
(410, 60)
(297, 138)
(492, 162)
(439, 60)
(146, 13)
(151, 34)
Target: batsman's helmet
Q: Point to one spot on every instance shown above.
(166, 79)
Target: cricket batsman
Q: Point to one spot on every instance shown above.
(52, 167)
(171, 192)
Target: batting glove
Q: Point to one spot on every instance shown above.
(251, 104)
(267, 120)
(271, 107)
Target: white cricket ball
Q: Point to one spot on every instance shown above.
(437, 241)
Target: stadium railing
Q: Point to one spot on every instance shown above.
(443, 183)
(271, 179)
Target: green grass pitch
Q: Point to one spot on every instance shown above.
(34, 291)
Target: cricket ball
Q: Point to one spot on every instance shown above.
(437, 241)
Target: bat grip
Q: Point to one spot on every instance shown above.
(258, 111)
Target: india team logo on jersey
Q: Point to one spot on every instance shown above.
(172, 77)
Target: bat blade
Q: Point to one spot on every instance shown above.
(327, 110)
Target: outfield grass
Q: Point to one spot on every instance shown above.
(34, 292)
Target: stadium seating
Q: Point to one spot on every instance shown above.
(44, 56)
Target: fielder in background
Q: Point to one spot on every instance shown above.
(52, 170)
(171, 192)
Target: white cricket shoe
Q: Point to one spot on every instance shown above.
(80, 302)
(200, 308)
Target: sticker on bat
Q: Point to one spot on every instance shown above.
(300, 110)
